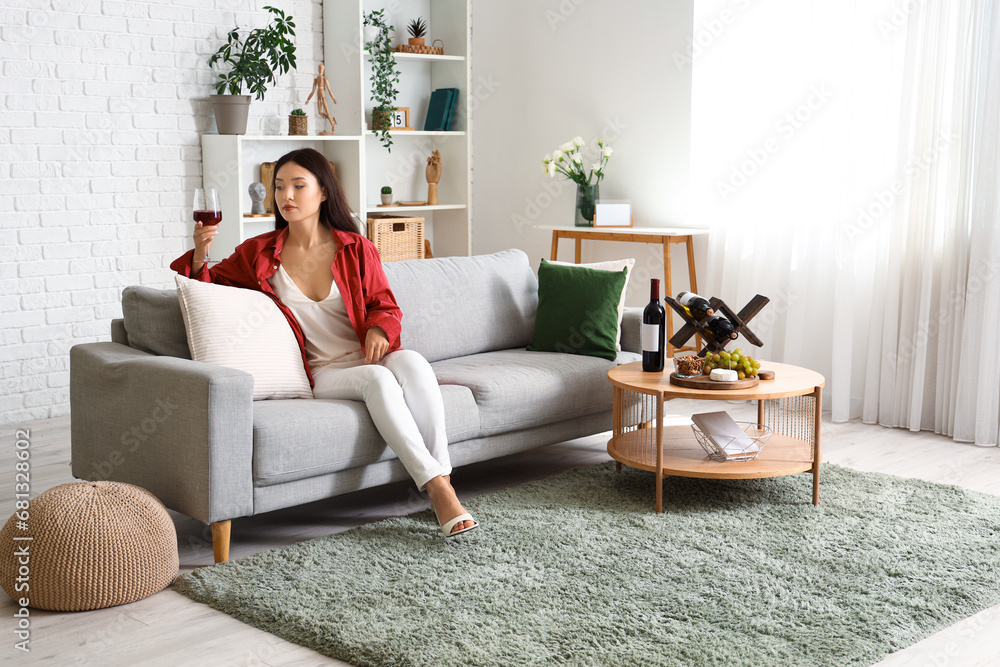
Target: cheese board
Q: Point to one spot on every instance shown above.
(705, 383)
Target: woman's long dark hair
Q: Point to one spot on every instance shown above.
(334, 213)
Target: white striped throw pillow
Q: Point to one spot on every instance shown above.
(243, 329)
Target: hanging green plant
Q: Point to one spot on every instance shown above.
(385, 76)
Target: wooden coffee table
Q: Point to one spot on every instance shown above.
(791, 405)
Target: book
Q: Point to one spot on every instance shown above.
(437, 110)
(452, 103)
(725, 434)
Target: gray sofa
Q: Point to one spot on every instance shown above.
(144, 413)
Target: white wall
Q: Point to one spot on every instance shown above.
(544, 72)
(102, 104)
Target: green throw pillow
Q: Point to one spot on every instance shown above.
(577, 310)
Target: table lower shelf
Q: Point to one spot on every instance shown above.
(684, 457)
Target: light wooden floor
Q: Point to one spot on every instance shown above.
(169, 629)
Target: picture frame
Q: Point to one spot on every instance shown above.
(613, 213)
(400, 119)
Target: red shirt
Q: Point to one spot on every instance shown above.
(357, 271)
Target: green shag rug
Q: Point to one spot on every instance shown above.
(578, 569)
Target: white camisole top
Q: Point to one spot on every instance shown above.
(330, 339)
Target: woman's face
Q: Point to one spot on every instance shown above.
(297, 193)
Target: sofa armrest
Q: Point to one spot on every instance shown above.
(632, 330)
(181, 429)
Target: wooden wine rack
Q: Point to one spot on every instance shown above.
(694, 326)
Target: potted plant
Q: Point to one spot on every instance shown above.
(385, 76)
(254, 60)
(386, 195)
(417, 29)
(298, 122)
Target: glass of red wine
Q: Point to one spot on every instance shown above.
(207, 211)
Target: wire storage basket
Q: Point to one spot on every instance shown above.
(723, 448)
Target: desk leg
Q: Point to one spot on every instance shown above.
(694, 281)
(817, 451)
(555, 246)
(659, 453)
(668, 290)
(579, 250)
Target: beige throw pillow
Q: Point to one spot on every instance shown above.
(613, 265)
(243, 329)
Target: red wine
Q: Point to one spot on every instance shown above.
(721, 329)
(696, 306)
(654, 320)
(208, 218)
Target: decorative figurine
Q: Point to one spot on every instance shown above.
(433, 177)
(322, 85)
(257, 194)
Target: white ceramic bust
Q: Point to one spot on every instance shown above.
(257, 194)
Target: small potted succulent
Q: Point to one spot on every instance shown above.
(386, 195)
(298, 122)
(417, 29)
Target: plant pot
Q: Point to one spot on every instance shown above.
(386, 199)
(298, 125)
(381, 119)
(231, 113)
(416, 41)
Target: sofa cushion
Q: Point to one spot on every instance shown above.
(296, 439)
(611, 265)
(578, 310)
(153, 321)
(516, 389)
(457, 306)
(243, 329)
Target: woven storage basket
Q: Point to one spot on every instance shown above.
(427, 50)
(397, 237)
(94, 545)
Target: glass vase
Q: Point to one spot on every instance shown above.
(586, 204)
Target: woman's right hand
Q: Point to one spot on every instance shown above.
(203, 237)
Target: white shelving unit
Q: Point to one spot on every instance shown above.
(231, 163)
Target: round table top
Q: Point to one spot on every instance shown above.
(788, 381)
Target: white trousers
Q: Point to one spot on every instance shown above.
(404, 401)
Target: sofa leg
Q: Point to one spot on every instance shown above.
(220, 540)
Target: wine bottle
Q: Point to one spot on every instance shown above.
(696, 306)
(720, 329)
(654, 320)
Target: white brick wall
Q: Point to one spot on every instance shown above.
(102, 106)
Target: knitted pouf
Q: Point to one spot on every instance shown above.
(94, 545)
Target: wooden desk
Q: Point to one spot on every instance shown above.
(664, 236)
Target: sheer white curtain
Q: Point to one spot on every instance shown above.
(835, 157)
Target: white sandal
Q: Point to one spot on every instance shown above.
(448, 525)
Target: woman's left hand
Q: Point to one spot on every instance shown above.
(376, 345)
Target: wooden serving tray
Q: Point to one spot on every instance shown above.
(706, 383)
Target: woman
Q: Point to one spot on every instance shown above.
(329, 283)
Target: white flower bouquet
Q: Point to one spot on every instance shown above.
(568, 161)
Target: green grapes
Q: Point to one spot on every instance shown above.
(744, 365)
